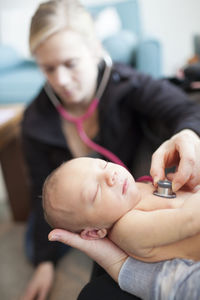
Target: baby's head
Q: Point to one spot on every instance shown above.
(88, 196)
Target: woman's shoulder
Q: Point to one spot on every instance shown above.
(126, 71)
(123, 79)
(126, 77)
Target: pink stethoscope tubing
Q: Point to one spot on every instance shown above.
(78, 121)
(145, 178)
(79, 125)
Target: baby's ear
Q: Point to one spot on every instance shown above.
(93, 234)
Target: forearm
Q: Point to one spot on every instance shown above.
(111, 265)
(103, 251)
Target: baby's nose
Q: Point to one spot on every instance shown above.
(111, 178)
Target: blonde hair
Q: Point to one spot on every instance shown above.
(56, 15)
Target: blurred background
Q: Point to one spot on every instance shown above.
(164, 32)
(173, 22)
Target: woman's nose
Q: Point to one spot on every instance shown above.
(62, 76)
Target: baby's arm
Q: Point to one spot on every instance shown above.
(138, 232)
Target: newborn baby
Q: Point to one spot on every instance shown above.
(97, 198)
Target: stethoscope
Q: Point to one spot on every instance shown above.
(78, 121)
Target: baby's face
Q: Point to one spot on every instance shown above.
(100, 192)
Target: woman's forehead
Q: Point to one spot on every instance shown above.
(66, 44)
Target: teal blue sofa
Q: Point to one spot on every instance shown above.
(131, 45)
(21, 79)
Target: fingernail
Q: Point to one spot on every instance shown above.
(155, 181)
(176, 186)
(53, 237)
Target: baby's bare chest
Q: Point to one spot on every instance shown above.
(150, 202)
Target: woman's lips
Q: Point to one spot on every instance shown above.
(125, 187)
(67, 93)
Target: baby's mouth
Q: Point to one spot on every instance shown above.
(125, 186)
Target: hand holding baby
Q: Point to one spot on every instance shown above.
(103, 251)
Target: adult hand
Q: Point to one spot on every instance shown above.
(41, 282)
(182, 151)
(103, 251)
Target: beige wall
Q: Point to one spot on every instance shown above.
(174, 23)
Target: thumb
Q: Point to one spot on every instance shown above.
(64, 236)
(174, 178)
(74, 240)
(99, 250)
(177, 183)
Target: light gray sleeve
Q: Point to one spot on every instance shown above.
(176, 279)
(138, 278)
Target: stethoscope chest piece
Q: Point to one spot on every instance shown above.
(164, 189)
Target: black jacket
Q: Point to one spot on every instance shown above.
(129, 99)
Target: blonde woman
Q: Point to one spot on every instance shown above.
(92, 107)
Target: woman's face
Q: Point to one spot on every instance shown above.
(70, 67)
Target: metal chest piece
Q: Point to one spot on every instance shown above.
(164, 189)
